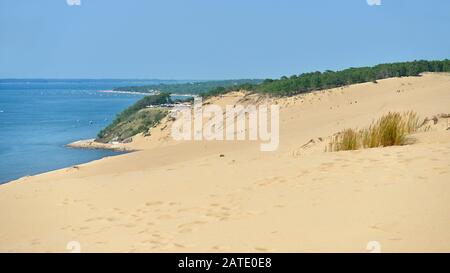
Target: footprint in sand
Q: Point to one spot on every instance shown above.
(262, 249)
(185, 230)
(272, 180)
(154, 203)
(178, 245)
(165, 217)
(35, 242)
(327, 165)
(221, 216)
(94, 219)
(191, 224)
(129, 225)
(304, 172)
(143, 231)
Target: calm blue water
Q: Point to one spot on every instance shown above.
(38, 117)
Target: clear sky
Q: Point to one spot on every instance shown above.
(214, 39)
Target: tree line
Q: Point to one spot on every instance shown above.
(187, 88)
(306, 82)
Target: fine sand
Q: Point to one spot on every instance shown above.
(228, 196)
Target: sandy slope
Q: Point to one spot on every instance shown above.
(173, 196)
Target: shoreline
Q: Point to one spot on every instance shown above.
(87, 144)
(93, 145)
(144, 93)
(125, 92)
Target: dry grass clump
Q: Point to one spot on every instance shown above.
(389, 130)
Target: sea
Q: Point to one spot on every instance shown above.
(39, 117)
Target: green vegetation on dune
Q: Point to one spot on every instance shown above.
(135, 119)
(390, 130)
(307, 82)
(223, 90)
(329, 79)
(136, 123)
(187, 88)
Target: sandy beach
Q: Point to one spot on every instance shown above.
(228, 196)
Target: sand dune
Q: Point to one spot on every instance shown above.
(174, 196)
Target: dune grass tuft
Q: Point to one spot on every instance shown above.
(389, 130)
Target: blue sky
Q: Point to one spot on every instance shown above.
(214, 39)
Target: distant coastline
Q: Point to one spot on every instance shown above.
(127, 92)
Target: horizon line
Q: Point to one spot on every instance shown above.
(128, 79)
